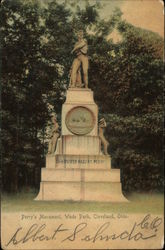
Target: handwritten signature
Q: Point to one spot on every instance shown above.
(144, 230)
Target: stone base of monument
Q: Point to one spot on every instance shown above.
(80, 184)
(78, 170)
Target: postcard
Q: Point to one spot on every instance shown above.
(82, 111)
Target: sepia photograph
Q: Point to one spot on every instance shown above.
(82, 124)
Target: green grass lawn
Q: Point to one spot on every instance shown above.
(139, 203)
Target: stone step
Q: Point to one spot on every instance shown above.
(81, 191)
(80, 175)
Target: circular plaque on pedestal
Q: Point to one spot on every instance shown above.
(80, 120)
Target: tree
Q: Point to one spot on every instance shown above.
(135, 123)
(126, 79)
(23, 111)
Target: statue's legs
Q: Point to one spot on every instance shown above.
(84, 60)
(54, 142)
(75, 66)
(104, 142)
(50, 147)
(105, 145)
(78, 79)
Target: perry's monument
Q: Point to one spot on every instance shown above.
(78, 166)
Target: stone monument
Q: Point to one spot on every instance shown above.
(78, 170)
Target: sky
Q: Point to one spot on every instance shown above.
(147, 14)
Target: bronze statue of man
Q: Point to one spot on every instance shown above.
(80, 50)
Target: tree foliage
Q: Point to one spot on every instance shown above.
(126, 78)
(135, 124)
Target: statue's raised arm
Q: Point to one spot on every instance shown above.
(81, 59)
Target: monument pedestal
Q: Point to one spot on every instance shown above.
(78, 170)
(81, 185)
